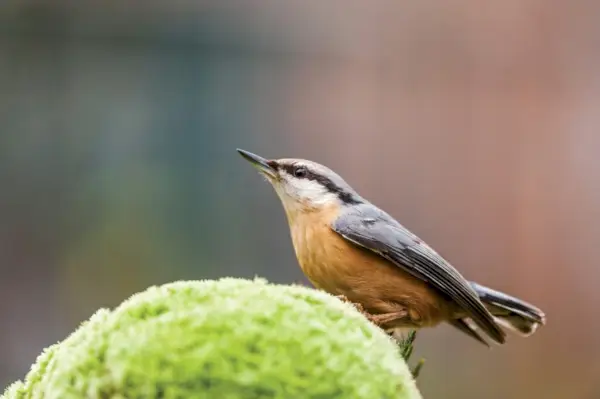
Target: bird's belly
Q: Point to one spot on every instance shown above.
(339, 267)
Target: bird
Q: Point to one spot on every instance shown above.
(350, 248)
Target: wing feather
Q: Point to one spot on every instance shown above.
(369, 227)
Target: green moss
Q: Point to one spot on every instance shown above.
(15, 390)
(229, 339)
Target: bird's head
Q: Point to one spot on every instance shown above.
(302, 185)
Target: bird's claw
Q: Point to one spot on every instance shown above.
(378, 319)
(342, 298)
(358, 306)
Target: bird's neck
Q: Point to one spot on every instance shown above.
(305, 214)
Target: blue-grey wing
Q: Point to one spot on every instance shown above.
(369, 227)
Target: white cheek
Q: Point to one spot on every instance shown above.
(300, 194)
(311, 192)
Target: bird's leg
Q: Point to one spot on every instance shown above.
(380, 320)
(384, 319)
(358, 306)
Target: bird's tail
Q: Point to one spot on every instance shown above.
(510, 312)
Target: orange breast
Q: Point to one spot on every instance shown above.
(339, 267)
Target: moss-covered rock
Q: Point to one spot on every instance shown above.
(225, 339)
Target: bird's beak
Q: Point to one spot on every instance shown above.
(263, 165)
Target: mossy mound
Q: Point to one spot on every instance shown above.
(226, 339)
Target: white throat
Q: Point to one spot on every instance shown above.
(305, 193)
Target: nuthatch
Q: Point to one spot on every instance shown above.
(348, 247)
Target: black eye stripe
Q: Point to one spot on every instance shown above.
(324, 181)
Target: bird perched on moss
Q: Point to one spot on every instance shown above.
(350, 248)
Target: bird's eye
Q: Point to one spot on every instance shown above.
(300, 171)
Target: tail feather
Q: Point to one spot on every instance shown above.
(469, 328)
(510, 312)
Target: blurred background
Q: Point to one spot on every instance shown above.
(475, 124)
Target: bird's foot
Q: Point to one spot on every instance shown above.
(385, 319)
(343, 298)
(358, 306)
(378, 319)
